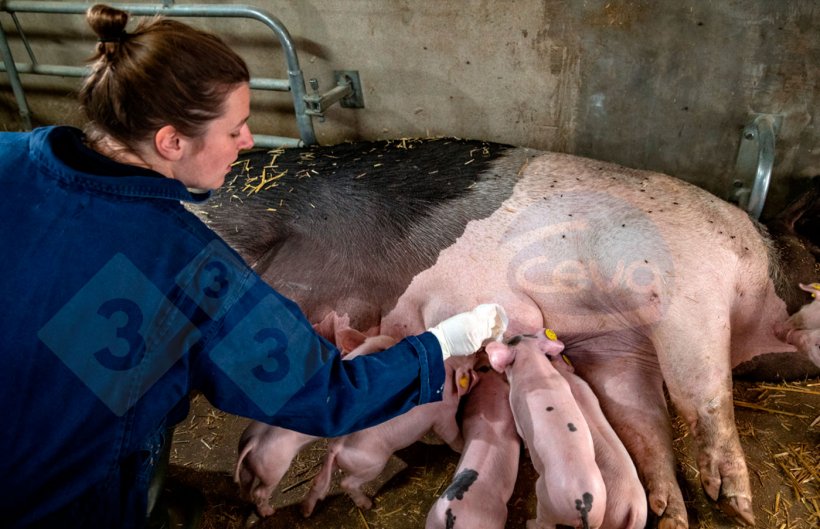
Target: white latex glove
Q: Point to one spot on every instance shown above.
(465, 333)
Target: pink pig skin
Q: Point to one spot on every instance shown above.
(265, 454)
(570, 487)
(626, 503)
(362, 455)
(266, 451)
(802, 329)
(486, 473)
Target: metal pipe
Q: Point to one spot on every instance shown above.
(763, 130)
(23, 37)
(317, 104)
(14, 79)
(263, 140)
(295, 76)
(257, 83)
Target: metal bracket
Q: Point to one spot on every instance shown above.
(356, 99)
(754, 163)
(348, 92)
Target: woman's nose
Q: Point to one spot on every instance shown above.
(246, 138)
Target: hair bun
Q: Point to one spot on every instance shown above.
(118, 38)
(107, 22)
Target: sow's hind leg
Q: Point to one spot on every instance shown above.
(629, 388)
(694, 354)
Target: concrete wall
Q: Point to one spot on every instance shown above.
(657, 84)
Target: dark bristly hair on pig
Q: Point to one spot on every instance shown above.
(163, 73)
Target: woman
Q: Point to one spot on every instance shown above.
(118, 302)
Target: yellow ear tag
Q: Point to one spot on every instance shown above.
(567, 360)
(549, 333)
(463, 381)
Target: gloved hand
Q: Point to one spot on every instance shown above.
(465, 333)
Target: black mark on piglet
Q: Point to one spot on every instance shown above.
(449, 519)
(584, 507)
(461, 483)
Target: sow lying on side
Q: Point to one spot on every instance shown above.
(647, 279)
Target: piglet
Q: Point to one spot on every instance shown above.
(802, 329)
(266, 451)
(485, 477)
(570, 487)
(265, 454)
(626, 503)
(362, 455)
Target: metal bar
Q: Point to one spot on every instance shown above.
(263, 140)
(754, 163)
(317, 104)
(31, 56)
(295, 76)
(257, 83)
(14, 79)
(764, 128)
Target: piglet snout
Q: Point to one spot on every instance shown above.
(501, 355)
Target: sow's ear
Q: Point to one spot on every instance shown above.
(501, 355)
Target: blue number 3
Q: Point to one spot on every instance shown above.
(219, 282)
(277, 353)
(128, 332)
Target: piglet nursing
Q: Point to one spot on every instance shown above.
(570, 487)
(485, 477)
(626, 504)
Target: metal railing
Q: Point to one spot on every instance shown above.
(305, 106)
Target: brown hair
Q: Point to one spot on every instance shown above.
(163, 73)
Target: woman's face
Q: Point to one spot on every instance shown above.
(208, 159)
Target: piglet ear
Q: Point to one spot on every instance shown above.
(465, 379)
(814, 288)
(549, 343)
(348, 339)
(500, 355)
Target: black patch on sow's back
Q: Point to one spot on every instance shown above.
(389, 184)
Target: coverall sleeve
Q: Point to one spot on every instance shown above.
(266, 362)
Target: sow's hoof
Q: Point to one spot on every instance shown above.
(739, 509)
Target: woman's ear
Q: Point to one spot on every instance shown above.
(169, 143)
